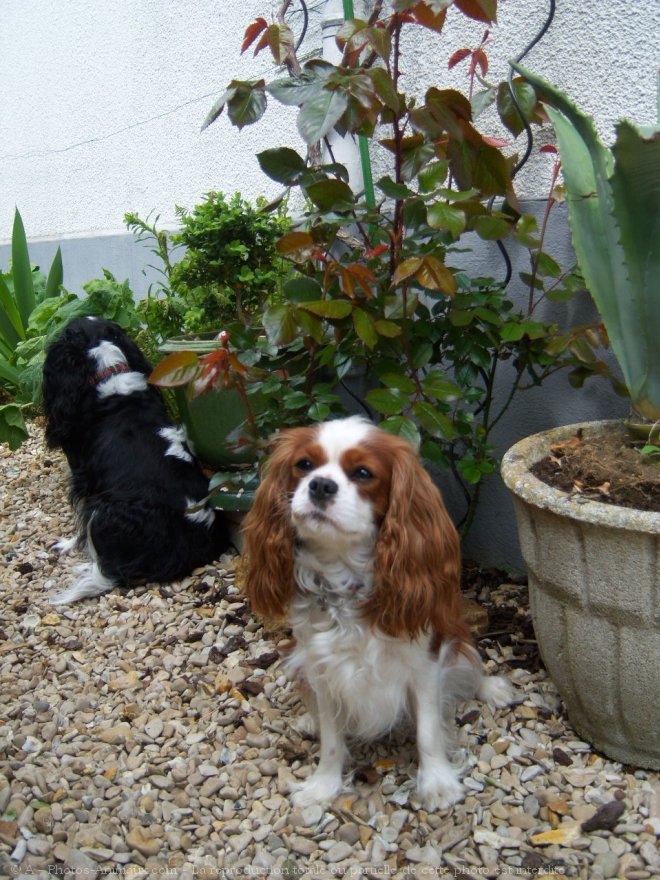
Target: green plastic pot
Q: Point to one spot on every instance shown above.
(209, 419)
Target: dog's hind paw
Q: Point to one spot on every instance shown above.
(496, 691)
(65, 546)
(90, 582)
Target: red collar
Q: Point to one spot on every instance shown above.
(108, 373)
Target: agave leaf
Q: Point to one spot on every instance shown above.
(11, 326)
(613, 214)
(55, 276)
(21, 270)
(636, 186)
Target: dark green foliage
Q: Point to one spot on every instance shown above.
(229, 268)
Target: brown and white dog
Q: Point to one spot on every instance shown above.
(349, 540)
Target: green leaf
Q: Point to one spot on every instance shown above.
(470, 471)
(436, 384)
(333, 309)
(385, 88)
(21, 271)
(546, 265)
(247, 104)
(320, 113)
(492, 228)
(331, 195)
(475, 163)
(12, 425)
(217, 108)
(281, 164)
(482, 100)
(422, 354)
(387, 400)
(460, 317)
(398, 380)
(303, 289)
(387, 328)
(508, 112)
(433, 176)
(311, 325)
(364, 327)
(9, 373)
(280, 324)
(559, 295)
(392, 189)
(402, 426)
(295, 399)
(318, 412)
(438, 424)
(512, 332)
(442, 215)
(415, 154)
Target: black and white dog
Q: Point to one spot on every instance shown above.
(135, 485)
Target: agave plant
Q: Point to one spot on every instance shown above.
(613, 198)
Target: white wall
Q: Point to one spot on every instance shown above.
(102, 100)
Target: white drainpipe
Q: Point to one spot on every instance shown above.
(344, 149)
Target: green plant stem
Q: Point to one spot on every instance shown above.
(397, 221)
(550, 202)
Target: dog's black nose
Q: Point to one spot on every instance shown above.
(322, 490)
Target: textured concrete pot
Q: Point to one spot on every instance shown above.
(594, 584)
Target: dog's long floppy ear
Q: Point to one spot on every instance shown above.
(269, 535)
(65, 379)
(417, 555)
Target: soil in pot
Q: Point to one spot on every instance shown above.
(607, 468)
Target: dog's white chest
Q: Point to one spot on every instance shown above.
(366, 674)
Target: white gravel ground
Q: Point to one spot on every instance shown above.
(152, 733)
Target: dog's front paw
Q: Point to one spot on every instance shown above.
(496, 691)
(439, 788)
(318, 789)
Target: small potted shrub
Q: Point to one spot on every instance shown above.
(229, 270)
(593, 564)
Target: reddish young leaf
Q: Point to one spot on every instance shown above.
(347, 283)
(252, 32)
(377, 251)
(495, 142)
(406, 269)
(424, 15)
(363, 276)
(176, 369)
(457, 57)
(434, 275)
(549, 148)
(480, 10)
(294, 241)
(263, 42)
(480, 59)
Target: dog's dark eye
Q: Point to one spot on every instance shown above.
(362, 474)
(304, 465)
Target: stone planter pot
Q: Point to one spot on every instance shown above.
(594, 585)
